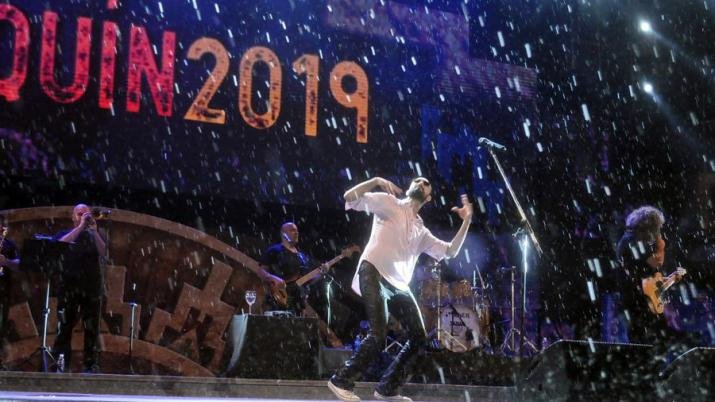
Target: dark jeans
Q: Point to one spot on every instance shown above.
(380, 298)
(72, 305)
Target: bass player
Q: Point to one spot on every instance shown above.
(281, 263)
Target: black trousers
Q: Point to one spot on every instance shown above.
(381, 298)
(74, 304)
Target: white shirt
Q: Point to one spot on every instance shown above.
(397, 239)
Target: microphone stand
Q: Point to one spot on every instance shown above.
(329, 279)
(526, 235)
(133, 304)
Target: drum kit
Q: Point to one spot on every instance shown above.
(456, 315)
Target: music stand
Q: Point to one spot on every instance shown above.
(45, 255)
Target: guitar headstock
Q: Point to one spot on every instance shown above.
(680, 272)
(348, 251)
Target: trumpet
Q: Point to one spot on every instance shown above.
(99, 214)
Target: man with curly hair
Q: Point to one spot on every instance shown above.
(641, 252)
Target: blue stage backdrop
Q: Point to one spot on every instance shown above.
(287, 101)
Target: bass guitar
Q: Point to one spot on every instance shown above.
(280, 293)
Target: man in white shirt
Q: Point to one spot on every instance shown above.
(384, 272)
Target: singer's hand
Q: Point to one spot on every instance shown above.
(466, 211)
(3, 260)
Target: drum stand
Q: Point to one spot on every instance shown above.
(442, 332)
(480, 307)
(132, 331)
(513, 334)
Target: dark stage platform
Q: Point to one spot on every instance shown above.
(23, 386)
(566, 371)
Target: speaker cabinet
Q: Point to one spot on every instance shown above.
(581, 370)
(332, 359)
(273, 347)
(690, 377)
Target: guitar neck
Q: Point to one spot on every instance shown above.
(310, 275)
(670, 281)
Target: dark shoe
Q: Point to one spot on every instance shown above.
(391, 398)
(343, 394)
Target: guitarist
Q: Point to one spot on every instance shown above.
(284, 262)
(9, 261)
(641, 252)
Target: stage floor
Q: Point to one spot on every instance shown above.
(26, 386)
(62, 397)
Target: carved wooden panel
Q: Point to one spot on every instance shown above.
(186, 284)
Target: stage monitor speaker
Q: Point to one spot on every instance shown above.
(582, 370)
(273, 347)
(332, 359)
(690, 377)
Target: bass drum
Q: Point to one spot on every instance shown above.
(431, 290)
(461, 292)
(460, 328)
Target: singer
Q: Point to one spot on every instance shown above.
(80, 289)
(384, 272)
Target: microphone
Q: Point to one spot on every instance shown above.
(491, 144)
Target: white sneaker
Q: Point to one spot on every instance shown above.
(343, 394)
(393, 398)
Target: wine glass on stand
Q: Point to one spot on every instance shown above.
(250, 299)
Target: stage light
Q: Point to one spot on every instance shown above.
(648, 88)
(645, 26)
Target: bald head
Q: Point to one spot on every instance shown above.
(289, 233)
(77, 212)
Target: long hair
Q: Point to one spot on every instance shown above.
(645, 222)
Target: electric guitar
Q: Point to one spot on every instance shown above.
(656, 285)
(280, 293)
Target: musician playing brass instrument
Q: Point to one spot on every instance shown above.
(81, 288)
(9, 262)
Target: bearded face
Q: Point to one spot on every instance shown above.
(416, 194)
(420, 190)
